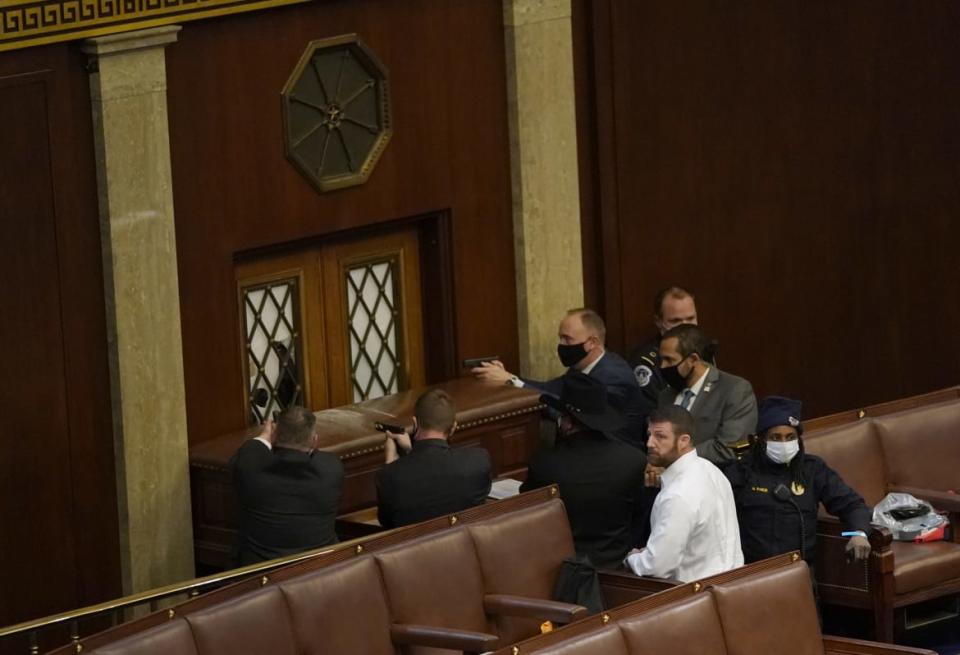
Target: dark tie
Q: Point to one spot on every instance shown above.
(687, 398)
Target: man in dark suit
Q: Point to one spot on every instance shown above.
(431, 479)
(582, 336)
(723, 405)
(600, 479)
(288, 492)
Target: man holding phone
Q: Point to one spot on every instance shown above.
(431, 479)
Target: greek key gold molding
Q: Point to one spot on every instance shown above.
(25, 23)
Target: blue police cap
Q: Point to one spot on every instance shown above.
(777, 410)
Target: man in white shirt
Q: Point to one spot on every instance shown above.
(694, 530)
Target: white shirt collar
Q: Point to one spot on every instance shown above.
(699, 384)
(684, 462)
(695, 389)
(589, 367)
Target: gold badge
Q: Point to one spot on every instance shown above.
(797, 488)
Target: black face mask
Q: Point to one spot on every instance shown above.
(672, 376)
(571, 354)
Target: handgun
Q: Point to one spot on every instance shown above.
(387, 427)
(477, 361)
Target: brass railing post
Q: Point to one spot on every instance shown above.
(75, 631)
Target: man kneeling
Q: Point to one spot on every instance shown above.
(694, 531)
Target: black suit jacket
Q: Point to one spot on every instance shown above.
(288, 500)
(601, 482)
(622, 391)
(432, 480)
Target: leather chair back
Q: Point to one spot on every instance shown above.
(340, 609)
(541, 534)
(608, 641)
(687, 627)
(257, 622)
(171, 637)
(922, 446)
(772, 612)
(853, 450)
(435, 581)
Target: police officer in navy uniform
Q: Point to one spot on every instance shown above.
(776, 484)
(672, 306)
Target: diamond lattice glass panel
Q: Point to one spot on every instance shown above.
(271, 319)
(372, 323)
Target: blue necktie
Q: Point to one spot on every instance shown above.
(687, 399)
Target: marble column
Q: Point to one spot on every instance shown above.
(543, 157)
(129, 102)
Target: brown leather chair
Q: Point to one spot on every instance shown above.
(340, 609)
(770, 611)
(668, 629)
(914, 450)
(258, 622)
(336, 600)
(520, 556)
(922, 450)
(761, 614)
(486, 583)
(435, 582)
(605, 641)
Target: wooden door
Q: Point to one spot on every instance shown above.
(374, 320)
(331, 324)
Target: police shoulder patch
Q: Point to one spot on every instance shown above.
(643, 374)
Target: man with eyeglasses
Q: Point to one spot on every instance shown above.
(778, 489)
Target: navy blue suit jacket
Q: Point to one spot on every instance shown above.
(622, 392)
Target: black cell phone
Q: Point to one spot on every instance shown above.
(904, 513)
(477, 361)
(387, 427)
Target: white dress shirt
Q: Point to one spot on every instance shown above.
(694, 391)
(694, 524)
(592, 365)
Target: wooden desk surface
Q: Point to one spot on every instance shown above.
(349, 432)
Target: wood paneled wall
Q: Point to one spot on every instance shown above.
(796, 164)
(58, 510)
(234, 191)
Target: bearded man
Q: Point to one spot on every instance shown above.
(694, 530)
